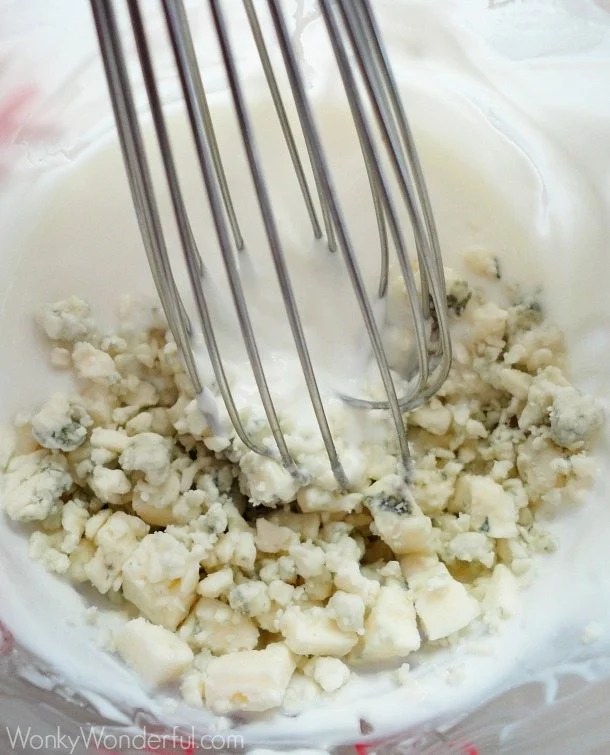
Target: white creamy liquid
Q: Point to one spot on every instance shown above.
(513, 138)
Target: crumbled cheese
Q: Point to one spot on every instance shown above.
(33, 491)
(330, 673)
(252, 680)
(433, 417)
(61, 425)
(472, 546)
(116, 539)
(442, 603)
(301, 693)
(391, 627)
(280, 592)
(216, 584)
(215, 626)
(93, 364)
(349, 578)
(272, 538)
(112, 440)
(348, 611)
(155, 653)
(159, 504)
(147, 453)
(502, 598)
(74, 518)
(160, 577)
(67, 320)
(266, 481)
(313, 499)
(250, 598)
(244, 552)
(491, 508)
(574, 418)
(192, 688)
(398, 519)
(109, 484)
(313, 631)
(309, 559)
(41, 548)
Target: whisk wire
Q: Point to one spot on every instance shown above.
(140, 180)
(354, 36)
(308, 125)
(175, 16)
(280, 109)
(191, 254)
(433, 278)
(274, 241)
(366, 138)
(189, 57)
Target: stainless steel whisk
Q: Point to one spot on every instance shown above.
(385, 140)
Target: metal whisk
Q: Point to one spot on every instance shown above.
(389, 154)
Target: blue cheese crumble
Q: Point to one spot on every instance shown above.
(253, 590)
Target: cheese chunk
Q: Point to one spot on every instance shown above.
(348, 611)
(442, 603)
(271, 538)
(93, 364)
(61, 424)
(491, 508)
(502, 598)
(66, 320)
(398, 519)
(266, 481)
(160, 578)
(147, 453)
(116, 539)
(313, 631)
(155, 653)
(215, 626)
(391, 627)
(252, 680)
(33, 498)
(330, 673)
